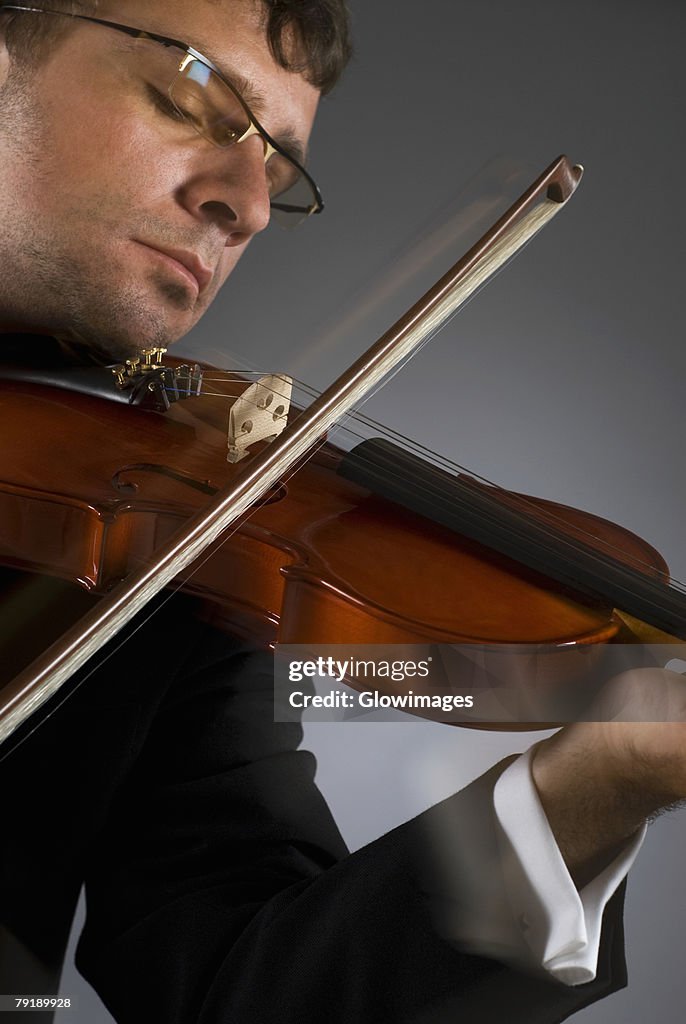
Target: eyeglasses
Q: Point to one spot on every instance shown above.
(200, 95)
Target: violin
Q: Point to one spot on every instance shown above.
(317, 560)
(370, 546)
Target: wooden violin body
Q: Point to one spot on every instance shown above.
(322, 560)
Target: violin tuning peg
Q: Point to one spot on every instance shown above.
(151, 359)
(120, 377)
(147, 359)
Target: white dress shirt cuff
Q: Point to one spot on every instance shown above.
(560, 925)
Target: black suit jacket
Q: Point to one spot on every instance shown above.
(219, 890)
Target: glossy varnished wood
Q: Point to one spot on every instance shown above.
(323, 560)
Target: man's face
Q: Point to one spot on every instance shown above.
(100, 185)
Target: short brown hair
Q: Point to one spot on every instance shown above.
(321, 29)
(310, 37)
(30, 39)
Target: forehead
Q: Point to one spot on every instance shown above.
(232, 34)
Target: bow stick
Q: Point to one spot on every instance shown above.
(531, 212)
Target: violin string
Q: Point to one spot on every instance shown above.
(430, 335)
(546, 520)
(525, 509)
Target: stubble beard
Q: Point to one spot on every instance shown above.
(61, 283)
(114, 323)
(78, 299)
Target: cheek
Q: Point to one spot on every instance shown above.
(118, 161)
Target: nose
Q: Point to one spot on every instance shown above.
(228, 188)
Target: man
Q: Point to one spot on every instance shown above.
(218, 887)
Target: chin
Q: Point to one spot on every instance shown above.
(110, 309)
(115, 335)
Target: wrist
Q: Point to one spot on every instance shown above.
(584, 778)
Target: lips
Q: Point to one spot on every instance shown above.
(185, 262)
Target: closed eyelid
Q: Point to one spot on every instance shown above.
(287, 140)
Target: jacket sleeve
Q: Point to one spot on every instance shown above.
(219, 889)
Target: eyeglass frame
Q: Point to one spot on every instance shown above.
(254, 126)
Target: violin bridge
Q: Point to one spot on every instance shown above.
(259, 414)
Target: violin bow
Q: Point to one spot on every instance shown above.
(524, 219)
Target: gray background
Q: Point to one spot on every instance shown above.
(563, 379)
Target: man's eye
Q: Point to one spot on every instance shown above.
(226, 132)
